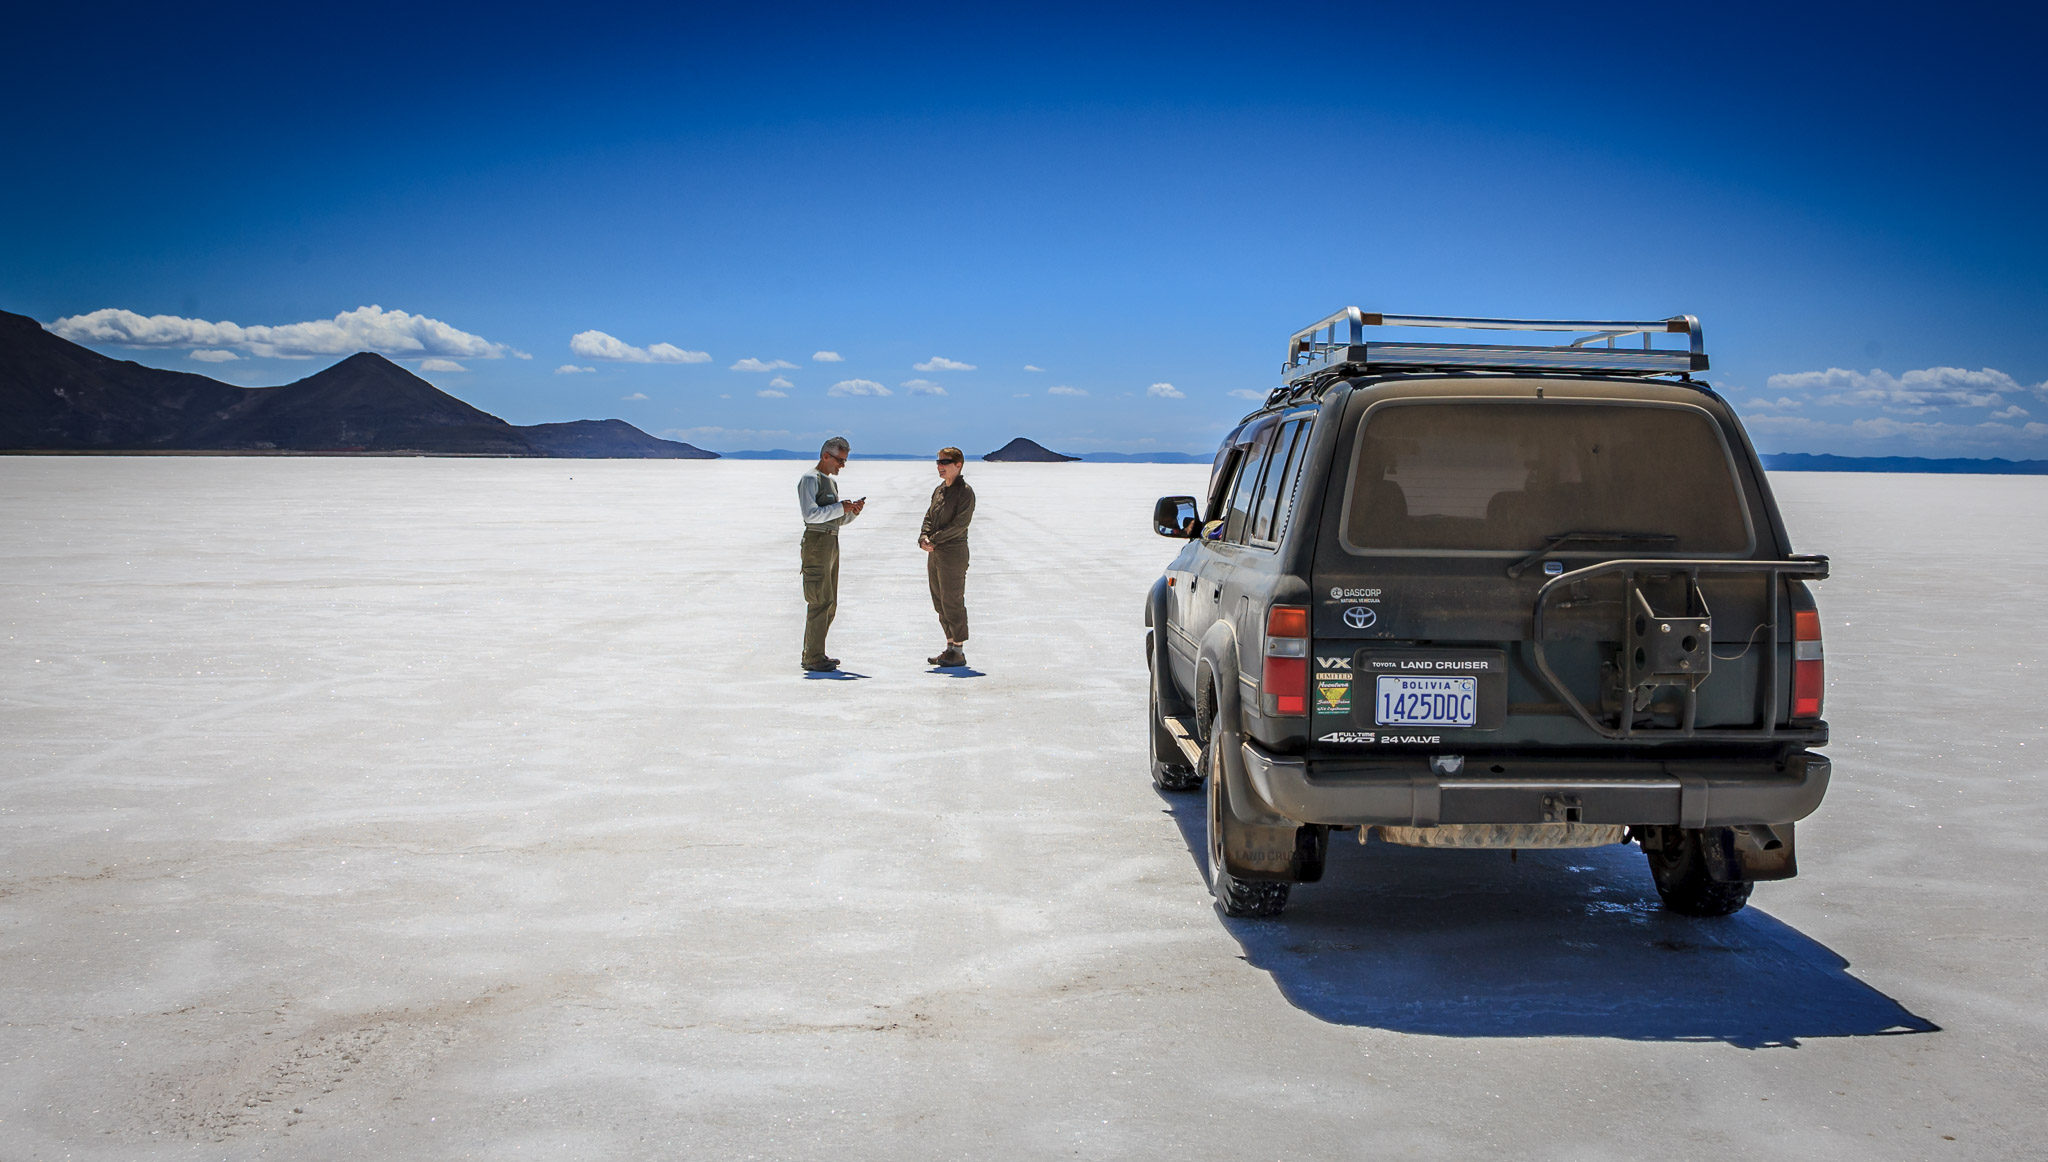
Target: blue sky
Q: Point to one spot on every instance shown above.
(1117, 197)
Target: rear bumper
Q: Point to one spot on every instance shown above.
(1404, 792)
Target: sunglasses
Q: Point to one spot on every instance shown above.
(947, 461)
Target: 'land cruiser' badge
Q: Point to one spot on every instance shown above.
(1360, 617)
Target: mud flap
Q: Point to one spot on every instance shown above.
(1259, 844)
(1752, 852)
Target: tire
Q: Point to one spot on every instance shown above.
(1236, 897)
(1680, 869)
(1170, 770)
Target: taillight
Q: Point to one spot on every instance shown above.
(1284, 681)
(1807, 667)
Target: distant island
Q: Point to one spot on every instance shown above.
(1021, 450)
(1803, 462)
(56, 396)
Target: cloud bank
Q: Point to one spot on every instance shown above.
(923, 387)
(441, 365)
(1913, 393)
(598, 345)
(827, 357)
(941, 363)
(372, 328)
(857, 387)
(1063, 389)
(1165, 391)
(752, 364)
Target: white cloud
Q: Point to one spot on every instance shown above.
(214, 356)
(752, 364)
(1247, 393)
(1783, 403)
(572, 369)
(779, 381)
(771, 393)
(598, 345)
(1063, 389)
(2012, 413)
(858, 387)
(1029, 367)
(634, 396)
(441, 365)
(941, 363)
(1165, 391)
(1914, 393)
(923, 387)
(827, 357)
(369, 328)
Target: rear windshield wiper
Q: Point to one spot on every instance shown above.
(1588, 537)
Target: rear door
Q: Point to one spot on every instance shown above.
(1421, 635)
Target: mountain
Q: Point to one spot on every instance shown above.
(365, 403)
(1026, 451)
(1148, 457)
(58, 396)
(614, 439)
(1802, 462)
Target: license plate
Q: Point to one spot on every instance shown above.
(1427, 702)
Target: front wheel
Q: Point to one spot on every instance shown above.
(1235, 896)
(1680, 869)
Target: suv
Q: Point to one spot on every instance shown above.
(1483, 595)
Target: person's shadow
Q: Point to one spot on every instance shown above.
(832, 676)
(956, 672)
(1570, 943)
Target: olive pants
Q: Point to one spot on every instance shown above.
(821, 590)
(946, 568)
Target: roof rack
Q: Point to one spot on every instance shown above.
(1316, 350)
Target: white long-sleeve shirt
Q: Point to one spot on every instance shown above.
(817, 496)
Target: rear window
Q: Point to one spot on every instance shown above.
(1503, 476)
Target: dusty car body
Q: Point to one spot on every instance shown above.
(1490, 595)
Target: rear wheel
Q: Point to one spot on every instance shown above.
(1235, 896)
(1680, 869)
(1170, 769)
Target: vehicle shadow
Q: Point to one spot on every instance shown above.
(1545, 944)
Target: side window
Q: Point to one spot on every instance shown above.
(1279, 477)
(1247, 487)
(1290, 490)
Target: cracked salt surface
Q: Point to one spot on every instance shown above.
(416, 808)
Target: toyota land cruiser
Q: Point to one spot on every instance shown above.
(1489, 595)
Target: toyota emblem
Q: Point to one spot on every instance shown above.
(1360, 617)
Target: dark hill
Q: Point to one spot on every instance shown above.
(58, 396)
(365, 403)
(617, 439)
(1026, 451)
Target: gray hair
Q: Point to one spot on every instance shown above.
(836, 446)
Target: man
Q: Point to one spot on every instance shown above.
(824, 513)
(943, 537)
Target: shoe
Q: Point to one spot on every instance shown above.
(951, 657)
(831, 663)
(822, 666)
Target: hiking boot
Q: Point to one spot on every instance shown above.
(952, 656)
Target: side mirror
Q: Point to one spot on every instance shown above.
(1176, 516)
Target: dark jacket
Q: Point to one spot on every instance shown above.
(945, 522)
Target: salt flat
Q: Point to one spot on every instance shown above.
(467, 808)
